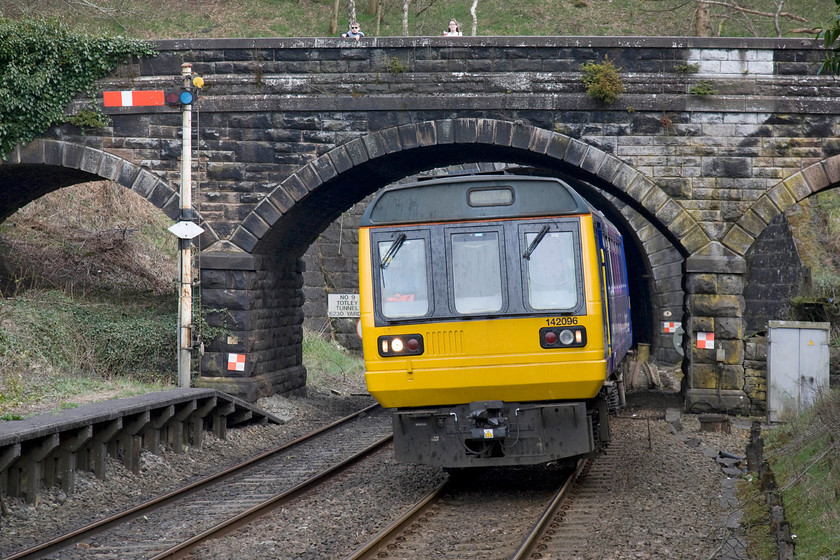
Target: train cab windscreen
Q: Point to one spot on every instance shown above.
(403, 277)
(476, 272)
(551, 270)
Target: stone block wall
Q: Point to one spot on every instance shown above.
(258, 301)
(332, 267)
(714, 303)
(775, 274)
(755, 372)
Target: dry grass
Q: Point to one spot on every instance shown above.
(805, 456)
(87, 285)
(89, 239)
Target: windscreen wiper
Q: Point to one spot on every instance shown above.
(392, 251)
(533, 246)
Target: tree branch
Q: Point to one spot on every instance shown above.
(755, 12)
(100, 9)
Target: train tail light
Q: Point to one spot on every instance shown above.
(400, 345)
(563, 337)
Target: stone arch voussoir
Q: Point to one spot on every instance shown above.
(110, 167)
(802, 184)
(660, 208)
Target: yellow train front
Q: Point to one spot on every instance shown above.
(494, 310)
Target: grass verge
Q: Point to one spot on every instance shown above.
(805, 458)
(150, 19)
(331, 366)
(54, 349)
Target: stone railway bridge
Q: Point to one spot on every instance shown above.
(290, 133)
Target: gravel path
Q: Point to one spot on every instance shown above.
(669, 500)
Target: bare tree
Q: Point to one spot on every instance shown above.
(405, 17)
(755, 17)
(420, 12)
(49, 8)
(733, 6)
(351, 11)
(702, 22)
(379, 9)
(334, 20)
(474, 17)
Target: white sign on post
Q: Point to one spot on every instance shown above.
(343, 305)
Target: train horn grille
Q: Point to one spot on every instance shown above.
(444, 343)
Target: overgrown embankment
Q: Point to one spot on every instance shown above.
(87, 278)
(815, 223)
(804, 458)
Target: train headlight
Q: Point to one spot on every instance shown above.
(563, 337)
(400, 345)
(566, 337)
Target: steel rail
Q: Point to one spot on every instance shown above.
(368, 550)
(371, 546)
(226, 527)
(81, 533)
(527, 546)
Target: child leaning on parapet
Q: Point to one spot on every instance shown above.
(354, 32)
(454, 30)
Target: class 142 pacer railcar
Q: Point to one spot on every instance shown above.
(494, 313)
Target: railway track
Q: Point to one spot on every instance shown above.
(172, 525)
(481, 517)
(568, 535)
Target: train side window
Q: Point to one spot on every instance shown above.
(551, 271)
(403, 278)
(476, 272)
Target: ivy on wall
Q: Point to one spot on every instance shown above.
(830, 35)
(43, 66)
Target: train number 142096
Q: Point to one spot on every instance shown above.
(561, 321)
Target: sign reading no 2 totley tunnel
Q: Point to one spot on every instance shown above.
(343, 305)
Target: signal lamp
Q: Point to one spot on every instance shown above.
(179, 96)
(565, 337)
(400, 345)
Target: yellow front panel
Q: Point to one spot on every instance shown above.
(477, 363)
(493, 359)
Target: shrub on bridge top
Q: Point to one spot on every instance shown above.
(602, 80)
(43, 66)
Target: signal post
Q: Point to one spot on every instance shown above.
(185, 229)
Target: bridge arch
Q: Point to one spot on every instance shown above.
(46, 165)
(824, 174)
(351, 171)
(261, 256)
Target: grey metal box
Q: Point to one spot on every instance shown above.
(797, 367)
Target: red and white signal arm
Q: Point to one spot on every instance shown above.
(131, 98)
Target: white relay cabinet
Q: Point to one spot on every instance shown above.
(797, 367)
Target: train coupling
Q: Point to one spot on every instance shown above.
(487, 420)
(493, 433)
